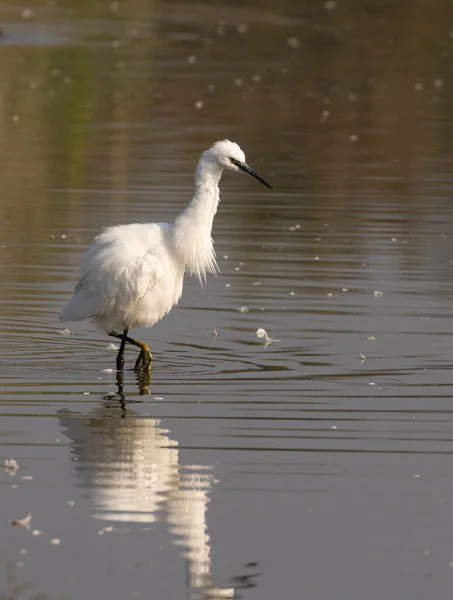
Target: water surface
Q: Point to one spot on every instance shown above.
(318, 466)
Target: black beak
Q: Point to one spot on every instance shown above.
(247, 169)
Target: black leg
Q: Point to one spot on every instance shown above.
(120, 357)
(144, 358)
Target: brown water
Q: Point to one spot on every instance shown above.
(299, 470)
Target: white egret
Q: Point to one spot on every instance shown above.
(133, 274)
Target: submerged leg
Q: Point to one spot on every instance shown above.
(144, 358)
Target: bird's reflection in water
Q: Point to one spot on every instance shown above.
(143, 378)
(131, 464)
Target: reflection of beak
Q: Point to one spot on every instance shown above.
(247, 169)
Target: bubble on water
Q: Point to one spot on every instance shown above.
(55, 542)
(24, 522)
(211, 87)
(191, 59)
(262, 334)
(353, 137)
(199, 104)
(352, 97)
(294, 42)
(438, 83)
(330, 5)
(11, 466)
(243, 309)
(371, 338)
(418, 87)
(27, 13)
(238, 82)
(378, 294)
(256, 78)
(114, 6)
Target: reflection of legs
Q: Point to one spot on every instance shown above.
(144, 380)
(120, 386)
(144, 358)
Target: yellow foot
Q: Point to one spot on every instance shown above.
(144, 358)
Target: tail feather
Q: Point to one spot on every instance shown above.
(77, 309)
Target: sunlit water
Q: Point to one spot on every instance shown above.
(318, 466)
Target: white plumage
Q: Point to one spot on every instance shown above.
(133, 274)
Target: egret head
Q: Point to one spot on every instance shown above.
(228, 155)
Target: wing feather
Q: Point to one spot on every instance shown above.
(117, 272)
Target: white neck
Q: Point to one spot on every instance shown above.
(192, 229)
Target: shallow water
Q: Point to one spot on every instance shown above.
(319, 466)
